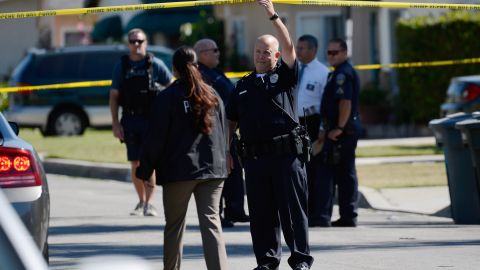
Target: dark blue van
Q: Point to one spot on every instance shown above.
(67, 111)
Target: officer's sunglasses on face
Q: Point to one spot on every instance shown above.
(333, 52)
(214, 50)
(135, 41)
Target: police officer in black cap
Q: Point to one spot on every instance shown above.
(274, 146)
(341, 125)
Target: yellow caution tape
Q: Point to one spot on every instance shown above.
(242, 74)
(420, 64)
(369, 4)
(56, 86)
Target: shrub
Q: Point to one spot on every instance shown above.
(453, 35)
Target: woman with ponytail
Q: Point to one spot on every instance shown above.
(186, 146)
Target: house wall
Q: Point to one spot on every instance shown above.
(256, 23)
(17, 35)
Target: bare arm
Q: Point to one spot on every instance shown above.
(283, 36)
(113, 102)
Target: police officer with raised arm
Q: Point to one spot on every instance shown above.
(233, 189)
(137, 79)
(341, 124)
(273, 149)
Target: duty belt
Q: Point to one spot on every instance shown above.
(279, 145)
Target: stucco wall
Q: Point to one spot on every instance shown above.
(17, 35)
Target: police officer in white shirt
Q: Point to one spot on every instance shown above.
(312, 79)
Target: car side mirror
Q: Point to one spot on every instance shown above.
(15, 127)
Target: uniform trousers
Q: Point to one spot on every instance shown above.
(343, 175)
(277, 200)
(234, 189)
(312, 123)
(176, 196)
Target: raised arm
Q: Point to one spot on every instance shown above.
(283, 36)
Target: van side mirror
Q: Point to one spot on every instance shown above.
(15, 127)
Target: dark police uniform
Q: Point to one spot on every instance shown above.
(338, 158)
(174, 147)
(233, 188)
(138, 83)
(275, 177)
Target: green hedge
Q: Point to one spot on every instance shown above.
(454, 35)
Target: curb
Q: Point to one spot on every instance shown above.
(368, 197)
(98, 170)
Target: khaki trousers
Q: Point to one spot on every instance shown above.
(207, 195)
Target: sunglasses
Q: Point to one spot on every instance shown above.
(333, 52)
(215, 50)
(135, 41)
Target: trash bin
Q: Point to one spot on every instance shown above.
(462, 182)
(470, 130)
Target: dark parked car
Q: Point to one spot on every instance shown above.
(67, 111)
(463, 95)
(23, 181)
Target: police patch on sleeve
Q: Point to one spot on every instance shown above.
(340, 79)
(274, 78)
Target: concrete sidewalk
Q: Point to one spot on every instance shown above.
(428, 200)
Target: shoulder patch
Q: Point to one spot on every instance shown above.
(274, 78)
(340, 79)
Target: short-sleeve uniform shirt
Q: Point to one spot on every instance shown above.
(262, 104)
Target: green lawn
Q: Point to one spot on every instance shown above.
(101, 146)
(402, 175)
(94, 145)
(387, 151)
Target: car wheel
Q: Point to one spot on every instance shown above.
(66, 122)
(45, 253)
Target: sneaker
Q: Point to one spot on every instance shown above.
(138, 211)
(149, 210)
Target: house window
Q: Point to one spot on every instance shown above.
(239, 35)
(323, 26)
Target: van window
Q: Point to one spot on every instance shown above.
(58, 66)
(99, 65)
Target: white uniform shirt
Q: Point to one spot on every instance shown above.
(310, 88)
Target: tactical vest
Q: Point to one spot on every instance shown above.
(137, 89)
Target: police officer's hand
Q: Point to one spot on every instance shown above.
(334, 134)
(117, 131)
(230, 164)
(268, 5)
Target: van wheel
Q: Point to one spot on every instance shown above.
(66, 122)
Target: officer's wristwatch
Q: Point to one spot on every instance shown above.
(340, 128)
(274, 17)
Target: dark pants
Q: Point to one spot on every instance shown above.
(312, 123)
(277, 200)
(135, 129)
(331, 174)
(233, 188)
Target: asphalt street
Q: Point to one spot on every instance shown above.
(91, 217)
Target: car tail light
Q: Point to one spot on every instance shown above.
(18, 168)
(472, 91)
